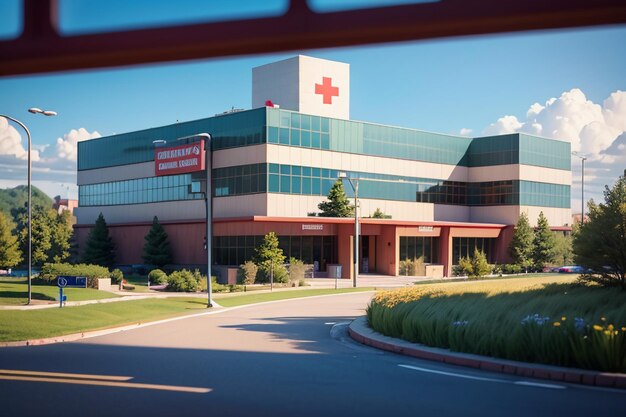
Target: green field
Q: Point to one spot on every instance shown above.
(15, 292)
(237, 300)
(552, 320)
(25, 325)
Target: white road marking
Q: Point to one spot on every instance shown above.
(538, 384)
(479, 378)
(330, 323)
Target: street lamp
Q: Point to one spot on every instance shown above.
(207, 202)
(355, 188)
(582, 186)
(33, 110)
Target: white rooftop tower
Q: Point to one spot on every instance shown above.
(304, 84)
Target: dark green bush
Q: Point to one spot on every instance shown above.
(512, 269)
(50, 272)
(116, 276)
(157, 277)
(182, 281)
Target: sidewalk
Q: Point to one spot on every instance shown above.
(360, 331)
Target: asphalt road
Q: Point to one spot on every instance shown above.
(290, 358)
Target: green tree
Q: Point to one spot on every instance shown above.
(600, 243)
(543, 243)
(337, 204)
(270, 259)
(10, 254)
(61, 234)
(157, 250)
(99, 247)
(563, 253)
(521, 247)
(379, 214)
(43, 223)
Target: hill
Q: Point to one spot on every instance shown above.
(12, 198)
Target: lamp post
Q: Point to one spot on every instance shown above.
(582, 186)
(355, 188)
(207, 201)
(33, 110)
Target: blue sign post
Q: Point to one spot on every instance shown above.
(69, 281)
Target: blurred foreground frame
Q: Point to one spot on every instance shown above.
(40, 48)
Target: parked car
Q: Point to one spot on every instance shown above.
(571, 269)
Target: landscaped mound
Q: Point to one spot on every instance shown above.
(533, 320)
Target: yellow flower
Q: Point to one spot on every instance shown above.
(615, 332)
(624, 329)
(610, 327)
(563, 318)
(556, 324)
(597, 327)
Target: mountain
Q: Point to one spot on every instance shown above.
(12, 198)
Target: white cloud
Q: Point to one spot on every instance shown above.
(595, 130)
(504, 125)
(465, 131)
(67, 146)
(11, 142)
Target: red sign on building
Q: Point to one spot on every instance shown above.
(179, 159)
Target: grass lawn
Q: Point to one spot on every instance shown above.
(238, 300)
(14, 291)
(24, 325)
(34, 324)
(551, 320)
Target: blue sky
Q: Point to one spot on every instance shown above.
(442, 86)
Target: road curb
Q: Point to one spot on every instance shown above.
(362, 333)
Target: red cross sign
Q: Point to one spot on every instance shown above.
(327, 90)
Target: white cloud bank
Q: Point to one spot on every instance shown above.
(67, 146)
(54, 168)
(597, 131)
(11, 142)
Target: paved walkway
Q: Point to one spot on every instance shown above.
(363, 281)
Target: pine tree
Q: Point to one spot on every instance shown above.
(544, 243)
(270, 258)
(379, 214)
(99, 247)
(157, 250)
(338, 204)
(600, 242)
(10, 254)
(60, 238)
(521, 247)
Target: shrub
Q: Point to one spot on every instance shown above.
(406, 267)
(157, 277)
(247, 273)
(116, 276)
(302, 283)
(281, 275)
(476, 266)
(50, 272)
(296, 270)
(512, 269)
(183, 281)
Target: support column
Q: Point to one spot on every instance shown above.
(445, 251)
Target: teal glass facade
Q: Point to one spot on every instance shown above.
(287, 128)
(137, 191)
(227, 131)
(302, 180)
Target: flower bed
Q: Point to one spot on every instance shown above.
(559, 323)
